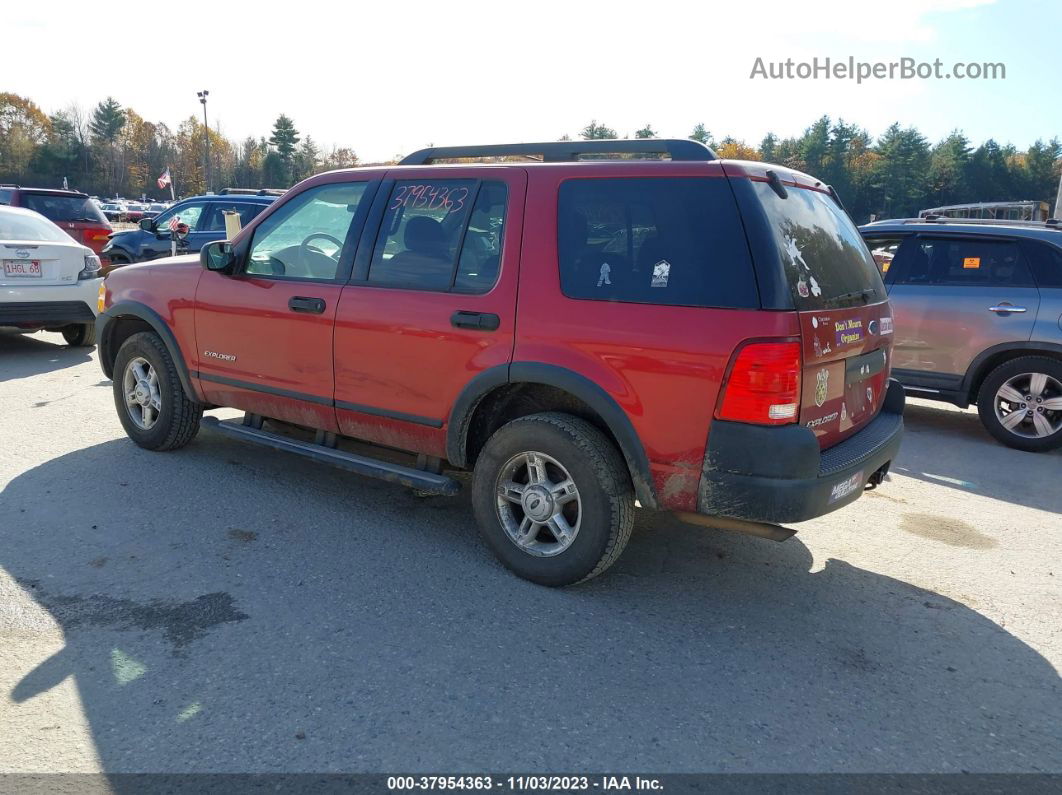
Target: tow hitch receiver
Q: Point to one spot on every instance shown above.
(878, 477)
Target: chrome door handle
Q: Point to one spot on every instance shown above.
(1006, 309)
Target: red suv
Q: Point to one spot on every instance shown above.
(584, 333)
(73, 212)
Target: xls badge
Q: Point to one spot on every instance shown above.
(821, 384)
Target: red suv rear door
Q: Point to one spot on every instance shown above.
(432, 301)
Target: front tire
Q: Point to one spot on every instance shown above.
(553, 498)
(1020, 403)
(152, 405)
(80, 335)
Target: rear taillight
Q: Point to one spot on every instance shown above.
(95, 235)
(91, 269)
(764, 385)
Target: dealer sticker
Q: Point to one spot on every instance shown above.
(846, 487)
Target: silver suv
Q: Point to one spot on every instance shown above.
(977, 308)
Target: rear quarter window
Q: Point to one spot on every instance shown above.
(673, 241)
(826, 262)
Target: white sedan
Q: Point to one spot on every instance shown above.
(47, 279)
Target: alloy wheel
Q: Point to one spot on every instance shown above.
(1030, 405)
(538, 504)
(143, 400)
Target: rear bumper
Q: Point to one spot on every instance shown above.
(779, 474)
(46, 306)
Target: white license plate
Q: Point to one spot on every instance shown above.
(22, 268)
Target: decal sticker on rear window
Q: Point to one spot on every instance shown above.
(603, 278)
(661, 273)
(971, 263)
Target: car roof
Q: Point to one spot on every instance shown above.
(1051, 234)
(50, 191)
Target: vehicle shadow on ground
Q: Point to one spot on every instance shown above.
(951, 448)
(22, 355)
(228, 611)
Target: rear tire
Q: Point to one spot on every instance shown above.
(553, 498)
(152, 405)
(1034, 425)
(80, 335)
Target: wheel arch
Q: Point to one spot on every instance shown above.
(126, 318)
(481, 408)
(991, 358)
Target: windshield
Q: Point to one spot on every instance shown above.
(63, 208)
(826, 262)
(27, 226)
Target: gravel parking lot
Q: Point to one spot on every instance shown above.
(223, 608)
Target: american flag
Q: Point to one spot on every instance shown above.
(174, 223)
(164, 180)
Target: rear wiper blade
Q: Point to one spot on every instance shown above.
(865, 294)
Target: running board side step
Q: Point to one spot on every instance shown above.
(428, 482)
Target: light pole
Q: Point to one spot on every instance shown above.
(206, 140)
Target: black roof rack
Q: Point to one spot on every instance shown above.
(567, 151)
(252, 191)
(932, 218)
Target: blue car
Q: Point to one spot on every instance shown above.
(204, 217)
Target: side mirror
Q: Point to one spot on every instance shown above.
(217, 256)
(147, 224)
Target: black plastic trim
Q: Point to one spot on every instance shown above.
(569, 381)
(45, 313)
(779, 475)
(320, 401)
(567, 151)
(363, 465)
(153, 319)
(975, 371)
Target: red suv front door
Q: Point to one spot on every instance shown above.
(432, 302)
(264, 334)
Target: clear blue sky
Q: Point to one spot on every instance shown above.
(388, 78)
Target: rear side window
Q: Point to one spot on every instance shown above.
(826, 262)
(63, 208)
(1046, 261)
(5, 195)
(441, 235)
(966, 262)
(215, 219)
(671, 241)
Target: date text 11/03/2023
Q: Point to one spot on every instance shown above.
(524, 783)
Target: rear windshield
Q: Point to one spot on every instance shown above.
(826, 262)
(15, 225)
(63, 208)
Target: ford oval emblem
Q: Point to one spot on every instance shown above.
(872, 327)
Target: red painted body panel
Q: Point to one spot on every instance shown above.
(168, 287)
(662, 364)
(395, 349)
(275, 348)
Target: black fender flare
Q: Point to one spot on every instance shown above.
(570, 381)
(104, 327)
(976, 371)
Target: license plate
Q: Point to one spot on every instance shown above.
(22, 268)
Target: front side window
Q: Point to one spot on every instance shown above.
(186, 214)
(673, 241)
(304, 238)
(963, 262)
